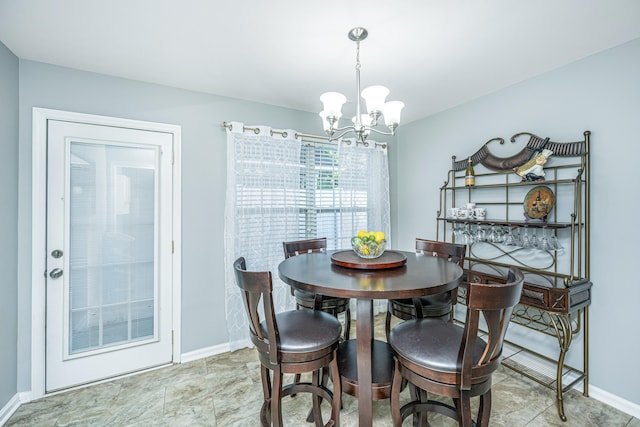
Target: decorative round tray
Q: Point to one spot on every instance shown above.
(538, 202)
(348, 258)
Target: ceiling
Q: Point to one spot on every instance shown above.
(431, 54)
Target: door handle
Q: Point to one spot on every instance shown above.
(55, 273)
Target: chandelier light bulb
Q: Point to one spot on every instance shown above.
(375, 96)
(392, 110)
(333, 102)
(326, 126)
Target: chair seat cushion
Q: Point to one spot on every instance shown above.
(431, 343)
(304, 331)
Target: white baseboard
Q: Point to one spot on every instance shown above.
(8, 409)
(614, 401)
(213, 350)
(204, 352)
(548, 368)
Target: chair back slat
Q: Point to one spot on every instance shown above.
(257, 286)
(304, 246)
(495, 302)
(450, 251)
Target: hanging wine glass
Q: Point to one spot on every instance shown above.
(468, 238)
(497, 234)
(482, 233)
(535, 242)
(458, 230)
(509, 239)
(554, 243)
(526, 240)
(545, 244)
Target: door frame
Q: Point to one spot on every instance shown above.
(38, 227)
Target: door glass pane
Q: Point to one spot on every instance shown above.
(112, 248)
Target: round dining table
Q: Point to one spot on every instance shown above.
(407, 275)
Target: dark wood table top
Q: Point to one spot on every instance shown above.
(421, 275)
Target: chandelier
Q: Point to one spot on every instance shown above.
(374, 96)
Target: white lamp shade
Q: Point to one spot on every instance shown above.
(333, 102)
(392, 111)
(374, 96)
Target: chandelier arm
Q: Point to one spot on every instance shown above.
(379, 131)
(346, 131)
(345, 128)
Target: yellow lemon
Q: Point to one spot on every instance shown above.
(362, 233)
(379, 236)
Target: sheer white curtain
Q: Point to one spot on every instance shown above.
(364, 182)
(280, 188)
(262, 210)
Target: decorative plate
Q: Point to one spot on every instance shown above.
(538, 202)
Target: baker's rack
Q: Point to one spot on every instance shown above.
(557, 291)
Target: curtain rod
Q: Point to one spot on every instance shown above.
(298, 135)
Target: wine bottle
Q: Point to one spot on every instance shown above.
(469, 175)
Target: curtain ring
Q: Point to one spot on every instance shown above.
(284, 134)
(256, 131)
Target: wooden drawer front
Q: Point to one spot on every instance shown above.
(558, 300)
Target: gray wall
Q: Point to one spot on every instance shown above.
(203, 179)
(600, 93)
(8, 224)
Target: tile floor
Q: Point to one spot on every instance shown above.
(225, 390)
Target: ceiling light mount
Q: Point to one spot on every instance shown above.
(374, 96)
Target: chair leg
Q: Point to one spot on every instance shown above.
(265, 412)
(324, 378)
(396, 385)
(296, 379)
(316, 414)
(464, 408)
(422, 420)
(347, 323)
(276, 398)
(336, 403)
(387, 322)
(485, 409)
(266, 383)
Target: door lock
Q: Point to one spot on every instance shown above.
(55, 273)
(56, 253)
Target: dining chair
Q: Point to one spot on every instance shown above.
(433, 305)
(304, 299)
(441, 357)
(291, 342)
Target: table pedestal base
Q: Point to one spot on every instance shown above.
(381, 367)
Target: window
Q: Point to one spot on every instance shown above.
(282, 188)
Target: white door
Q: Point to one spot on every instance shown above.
(109, 248)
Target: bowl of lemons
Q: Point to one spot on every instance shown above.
(369, 244)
